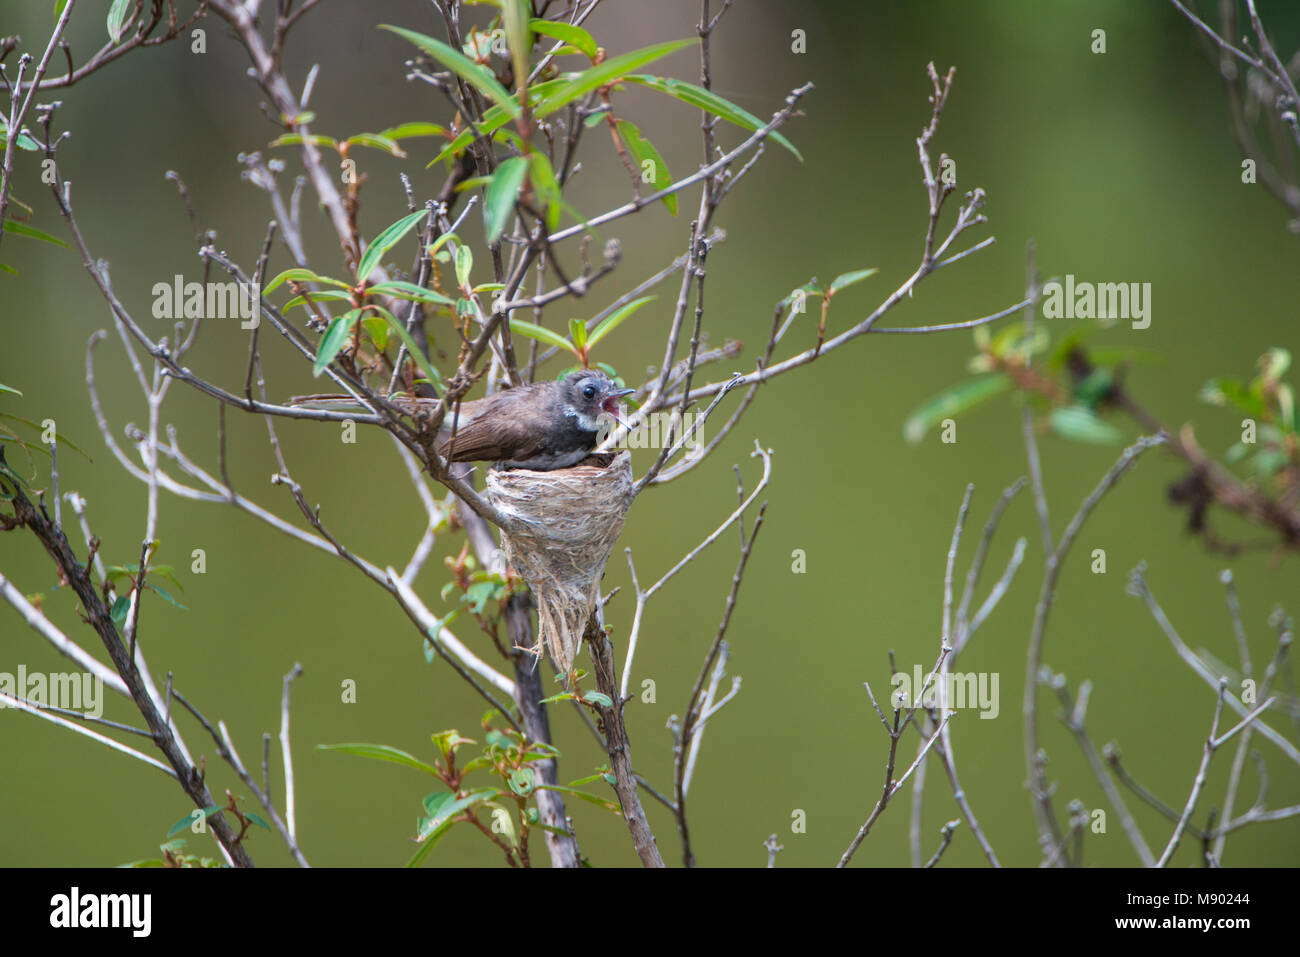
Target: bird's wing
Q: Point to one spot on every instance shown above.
(488, 432)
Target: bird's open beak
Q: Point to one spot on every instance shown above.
(610, 404)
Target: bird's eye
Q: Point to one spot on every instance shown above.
(589, 392)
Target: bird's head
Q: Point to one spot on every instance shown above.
(590, 394)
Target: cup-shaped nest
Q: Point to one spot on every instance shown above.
(562, 526)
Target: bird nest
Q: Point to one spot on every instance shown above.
(562, 527)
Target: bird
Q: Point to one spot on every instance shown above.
(543, 426)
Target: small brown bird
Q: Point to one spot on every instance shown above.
(543, 426)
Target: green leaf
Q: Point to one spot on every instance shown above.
(1080, 424)
(163, 595)
(377, 329)
(432, 828)
(5, 388)
(256, 820)
(522, 781)
(386, 240)
(22, 229)
(848, 279)
(335, 338)
(952, 401)
(404, 131)
(464, 264)
(1094, 387)
(615, 318)
(185, 823)
(547, 189)
(298, 274)
(615, 68)
(643, 151)
(412, 349)
(504, 822)
(596, 697)
(582, 795)
(117, 18)
(707, 100)
(473, 73)
(515, 15)
(540, 333)
(562, 696)
(379, 142)
(1223, 391)
(500, 195)
(448, 741)
(578, 333)
(319, 295)
(119, 610)
(400, 289)
(576, 37)
(380, 752)
(297, 139)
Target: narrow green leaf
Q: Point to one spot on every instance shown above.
(643, 152)
(953, 401)
(615, 68)
(379, 752)
(464, 263)
(500, 195)
(335, 338)
(596, 697)
(473, 73)
(540, 333)
(386, 240)
(407, 130)
(22, 229)
(615, 318)
(378, 142)
(515, 15)
(578, 333)
(707, 100)
(1079, 423)
(185, 823)
(576, 37)
(547, 188)
(582, 795)
(297, 274)
(849, 278)
(400, 289)
(117, 18)
(317, 296)
(5, 388)
(297, 139)
(163, 595)
(377, 329)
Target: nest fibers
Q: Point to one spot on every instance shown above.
(563, 525)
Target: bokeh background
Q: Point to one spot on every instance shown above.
(1121, 167)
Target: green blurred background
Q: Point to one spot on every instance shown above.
(1120, 166)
